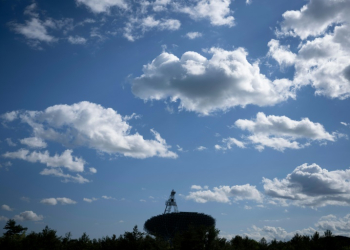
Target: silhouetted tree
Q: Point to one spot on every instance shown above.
(13, 229)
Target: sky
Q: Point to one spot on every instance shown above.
(241, 107)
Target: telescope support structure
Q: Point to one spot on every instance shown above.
(171, 203)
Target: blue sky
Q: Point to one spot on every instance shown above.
(240, 106)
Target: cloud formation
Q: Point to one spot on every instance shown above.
(223, 194)
(6, 207)
(91, 125)
(36, 28)
(34, 142)
(66, 177)
(99, 6)
(206, 85)
(278, 233)
(65, 160)
(281, 132)
(28, 216)
(89, 200)
(311, 186)
(322, 58)
(193, 35)
(55, 201)
(217, 11)
(339, 226)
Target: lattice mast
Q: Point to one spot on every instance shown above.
(171, 203)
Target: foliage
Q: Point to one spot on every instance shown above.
(194, 238)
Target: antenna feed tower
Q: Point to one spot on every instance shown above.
(171, 203)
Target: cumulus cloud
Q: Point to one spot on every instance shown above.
(36, 29)
(207, 85)
(280, 53)
(66, 177)
(281, 132)
(6, 207)
(314, 18)
(90, 200)
(28, 216)
(136, 27)
(229, 142)
(108, 197)
(312, 186)
(193, 35)
(65, 160)
(100, 6)
(91, 125)
(278, 233)
(224, 194)
(339, 226)
(321, 61)
(217, 11)
(10, 142)
(201, 148)
(77, 40)
(196, 187)
(34, 142)
(93, 170)
(55, 201)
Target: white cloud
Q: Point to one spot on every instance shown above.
(345, 124)
(66, 177)
(338, 226)
(3, 218)
(278, 233)
(28, 216)
(93, 170)
(34, 142)
(90, 200)
(35, 30)
(77, 40)
(312, 186)
(193, 35)
(10, 116)
(99, 6)
(204, 86)
(217, 11)
(54, 201)
(314, 18)
(49, 201)
(281, 54)
(246, 207)
(108, 197)
(143, 200)
(196, 187)
(91, 125)
(201, 148)
(10, 142)
(136, 27)
(322, 62)
(229, 142)
(224, 193)
(6, 207)
(64, 160)
(281, 132)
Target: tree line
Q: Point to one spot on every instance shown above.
(195, 238)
